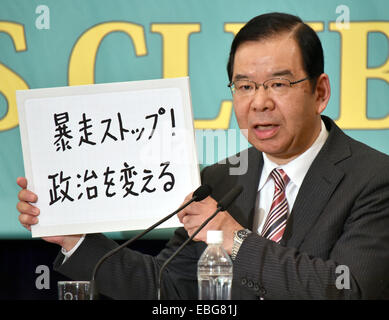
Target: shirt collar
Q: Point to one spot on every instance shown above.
(297, 168)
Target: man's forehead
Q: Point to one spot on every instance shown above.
(276, 56)
(276, 38)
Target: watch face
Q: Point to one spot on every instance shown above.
(242, 234)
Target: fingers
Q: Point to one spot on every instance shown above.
(188, 210)
(28, 212)
(193, 210)
(27, 195)
(181, 214)
(22, 182)
(191, 222)
(25, 208)
(195, 214)
(201, 236)
(24, 194)
(205, 206)
(203, 209)
(26, 220)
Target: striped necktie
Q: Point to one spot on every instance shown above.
(275, 223)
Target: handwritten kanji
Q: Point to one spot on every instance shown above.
(91, 192)
(63, 133)
(84, 129)
(54, 196)
(127, 174)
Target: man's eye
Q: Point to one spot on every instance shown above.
(278, 84)
(245, 87)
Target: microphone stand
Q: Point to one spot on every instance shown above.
(181, 247)
(222, 206)
(128, 242)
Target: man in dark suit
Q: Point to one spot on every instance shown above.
(313, 220)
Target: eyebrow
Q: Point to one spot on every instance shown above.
(240, 77)
(285, 72)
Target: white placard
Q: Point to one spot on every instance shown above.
(108, 157)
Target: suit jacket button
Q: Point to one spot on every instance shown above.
(250, 284)
(256, 287)
(262, 291)
(244, 281)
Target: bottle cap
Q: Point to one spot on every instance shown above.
(214, 236)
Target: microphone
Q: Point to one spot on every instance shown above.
(222, 205)
(199, 194)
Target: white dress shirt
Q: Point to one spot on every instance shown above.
(67, 254)
(296, 171)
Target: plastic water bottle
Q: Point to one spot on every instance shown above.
(214, 270)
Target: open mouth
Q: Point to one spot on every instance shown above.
(265, 127)
(265, 131)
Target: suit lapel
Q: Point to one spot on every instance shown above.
(245, 203)
(310, 202)
(320, 182)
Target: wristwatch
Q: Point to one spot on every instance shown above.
(239, 237)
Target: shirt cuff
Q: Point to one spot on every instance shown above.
(67, 254)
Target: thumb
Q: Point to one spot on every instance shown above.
(22, 182)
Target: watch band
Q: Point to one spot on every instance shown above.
(239, 237)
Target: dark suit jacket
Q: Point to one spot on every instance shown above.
(337, 236)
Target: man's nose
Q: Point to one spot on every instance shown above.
(262, 100)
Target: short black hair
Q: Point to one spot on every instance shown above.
(268, 25)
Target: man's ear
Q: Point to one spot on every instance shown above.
(322, 92)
